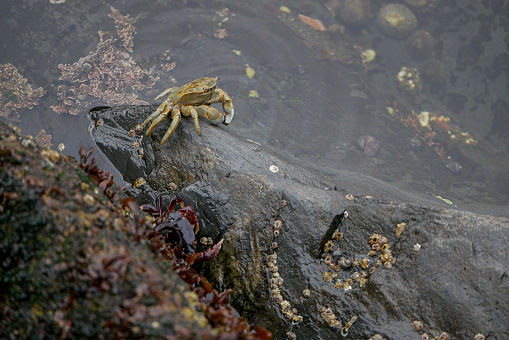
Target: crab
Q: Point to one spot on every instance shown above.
(192, 99)
(178, 227)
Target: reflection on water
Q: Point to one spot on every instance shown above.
(312, 95)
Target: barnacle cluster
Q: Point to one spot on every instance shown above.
(427, 334)
(16, 93)
(329, 317)
(337, 262)
(381, 247)
(409, 80)
(107, 75)
(346, 328)
(276, 281)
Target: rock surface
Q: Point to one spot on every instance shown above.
(74, 264)
(457, 282)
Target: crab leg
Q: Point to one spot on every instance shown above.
(207, 255)
(189, 110)
(162, 111)
(175, 116)
(165, 92)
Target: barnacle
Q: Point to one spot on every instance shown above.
(374, 238)
(306, 293)
(329, 317)
(417, 325)
(328, 276)
(337, 235)
(344, 330)
(444, 336)
(386, 257)
(278, 224)
(355, 276)
(385, 247)
(297, 319)
(364, 263)
(399, 228)
(362, 281)
(328, 246)
(375, 247)
(338, 284)
(288, 315)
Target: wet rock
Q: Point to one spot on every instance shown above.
(73, 265)
(455, 282)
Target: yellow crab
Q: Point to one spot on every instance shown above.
(192, 99)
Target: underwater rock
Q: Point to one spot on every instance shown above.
(396, 21)
(238, 198)
(355, 13)
(432, 71)
(419, 45)
(422, 6)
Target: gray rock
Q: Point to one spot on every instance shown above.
(457, 282)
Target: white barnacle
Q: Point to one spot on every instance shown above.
(417, 246)
(273, 168)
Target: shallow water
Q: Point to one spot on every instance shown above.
(308, 106)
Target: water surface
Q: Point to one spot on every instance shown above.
(309, 106)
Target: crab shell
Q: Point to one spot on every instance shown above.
(197, 92)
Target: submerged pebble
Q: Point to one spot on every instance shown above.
(369, 144)
(396, 20)
(419, 45)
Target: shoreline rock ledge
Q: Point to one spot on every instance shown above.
(401, 266)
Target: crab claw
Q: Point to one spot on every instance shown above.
(207, 255)
(228, 113)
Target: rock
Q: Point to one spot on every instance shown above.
(74, 266)
(457, 282)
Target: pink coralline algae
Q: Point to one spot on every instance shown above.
(16, 93)
(108, 75)
(43, 139)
